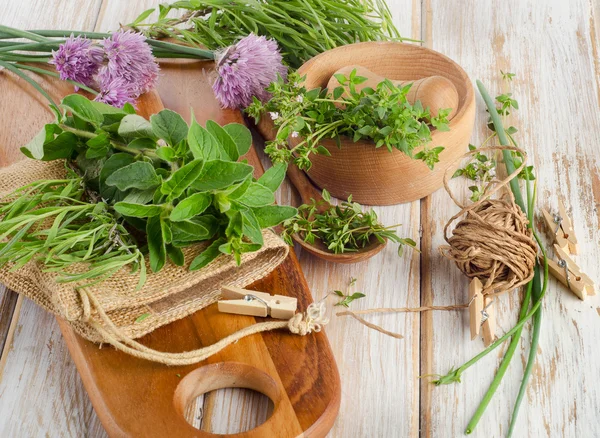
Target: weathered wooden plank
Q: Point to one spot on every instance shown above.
(41, 393)
(552, 48)
(380, 394)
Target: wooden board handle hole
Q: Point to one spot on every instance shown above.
(210, 379)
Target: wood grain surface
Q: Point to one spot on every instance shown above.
(553, 47)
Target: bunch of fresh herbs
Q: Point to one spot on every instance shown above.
(341, 228)
(382, 115)
(137, 186)
(302, 28)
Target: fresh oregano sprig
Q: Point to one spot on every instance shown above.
(382, 115)
(168, 184)
(341, 228)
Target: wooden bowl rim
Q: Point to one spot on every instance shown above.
(349, 257)
(462, 109)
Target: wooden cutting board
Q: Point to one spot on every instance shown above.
(133, 397)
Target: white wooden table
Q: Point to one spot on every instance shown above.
(552, 47)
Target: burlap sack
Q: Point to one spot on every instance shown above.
(169, 295)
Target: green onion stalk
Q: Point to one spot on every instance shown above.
(302, 28)
(532, 300)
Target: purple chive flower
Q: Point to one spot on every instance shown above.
(78, 60)
(245, 69)
(115, 91)
(130, 58)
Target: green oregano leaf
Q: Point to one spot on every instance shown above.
(241, 137)
(225, 141)
(139, 175)
(219, 174)
(135, 126)
(191, 206)
(169, 126)
(83, 108)
(182, 178)
(156, 245)
(273, 177)
(208, 255)
(138, 210)
(257, 195)
(202, 144)
(272, 215)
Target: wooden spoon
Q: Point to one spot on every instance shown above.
(434, 92)
(308, 192)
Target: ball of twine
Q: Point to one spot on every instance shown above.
(492, 242)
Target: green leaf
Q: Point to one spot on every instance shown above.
(202, 144)
(257, 195)
(176, 255)
(60, 147)
(237, 190)
(134, 126)
(182, 178)
(156, 244)
(228, 146)
(326, 195)
(83, 108)
(139, 175)
(138, 210)
(272, 215)
(167, 234)
(142, 16)
(169, 126)
(190, 231)
(135, 196)
(273, 177)
(142, 143)
(111, 165)
(98, 146)
(241, 137)
(251, 228)
(191, 206)
(236, 224)
(166, 153)
(208, 255)
(219, 174)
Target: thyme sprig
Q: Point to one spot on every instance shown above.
(341, 228)
(382, 115)
(346, 297)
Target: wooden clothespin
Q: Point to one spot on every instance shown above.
(568, 231)
(481, 313)
(248, 302)
(568, 273)
(488, 326)
(475, 306)
(562, 227)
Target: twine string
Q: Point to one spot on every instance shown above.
(300, 324)
(492, 243)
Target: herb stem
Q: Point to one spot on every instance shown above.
(115, 144)
(56, 75)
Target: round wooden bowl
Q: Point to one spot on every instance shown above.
(376, 176)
